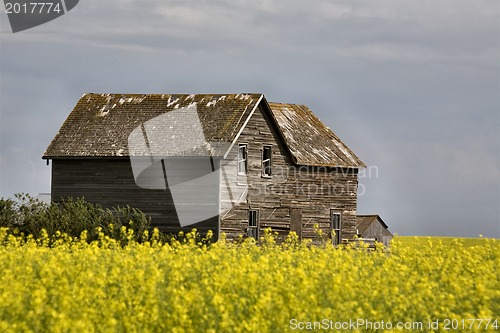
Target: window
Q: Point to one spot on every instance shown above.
(253, 224)
(242, 159)
(336, 228)
(266, 161)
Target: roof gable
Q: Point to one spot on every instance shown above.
(310, 142)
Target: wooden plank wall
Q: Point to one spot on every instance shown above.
(378, 232)
(110, 183)
(309, 192)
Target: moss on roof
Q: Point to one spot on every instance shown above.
(309, 140)
(100, 124)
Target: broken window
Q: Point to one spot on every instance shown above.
(266, 161)
(336, 228)
(253, 224)
(242, 159)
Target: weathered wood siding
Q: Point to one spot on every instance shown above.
(378, 232)
(110, 183)
(306, 193)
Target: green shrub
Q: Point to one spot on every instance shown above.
(28, 216)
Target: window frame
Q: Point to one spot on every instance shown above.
(244, 159)
(269, 161)
(255, 227)
(337, 237)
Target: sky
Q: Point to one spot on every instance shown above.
(412, 87)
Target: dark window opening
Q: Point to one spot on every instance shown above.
(242, 159)
(336, 228)
(253, 224)
(266, 161)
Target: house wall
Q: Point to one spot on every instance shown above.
(308, 194)
(110, 183)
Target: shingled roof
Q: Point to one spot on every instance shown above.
(100, 125)
(363, 222)
(309, 140)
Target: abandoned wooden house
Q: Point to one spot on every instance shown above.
(275, 165)
(372, 227)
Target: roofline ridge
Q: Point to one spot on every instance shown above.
(178, 93)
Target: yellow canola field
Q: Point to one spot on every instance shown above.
(184, 287)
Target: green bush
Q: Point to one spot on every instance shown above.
(28, 216)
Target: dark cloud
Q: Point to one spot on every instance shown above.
(411, 87)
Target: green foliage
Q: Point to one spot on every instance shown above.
(28, 216)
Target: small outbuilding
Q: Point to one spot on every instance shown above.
(373, 227)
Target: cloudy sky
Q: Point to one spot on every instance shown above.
(413, 87)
